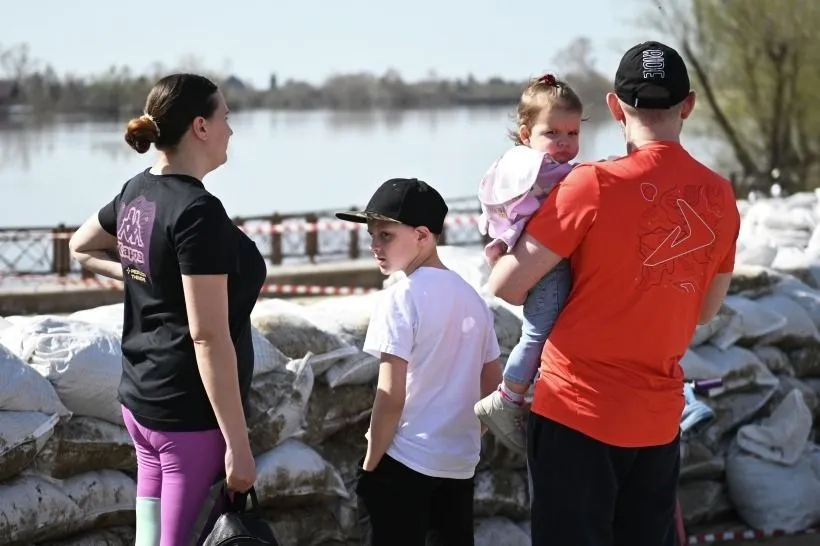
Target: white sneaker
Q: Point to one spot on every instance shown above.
(505, 419)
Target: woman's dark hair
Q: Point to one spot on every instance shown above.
(173, 103)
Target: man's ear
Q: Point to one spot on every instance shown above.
(615, 108)
(688, 105)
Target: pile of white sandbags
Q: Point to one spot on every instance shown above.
(765, 346)
(781, 233)
(60, 427)
(67, 463)
(338, 414)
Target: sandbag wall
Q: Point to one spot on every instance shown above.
(67, 465)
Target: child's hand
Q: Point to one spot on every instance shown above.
(495, 250)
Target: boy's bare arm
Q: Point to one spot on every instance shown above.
(490, 377)
(387, 408)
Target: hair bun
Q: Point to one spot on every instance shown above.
(141, 132)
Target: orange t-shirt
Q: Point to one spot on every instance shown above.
(646, 235)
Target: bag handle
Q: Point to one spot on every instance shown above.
(240, 501)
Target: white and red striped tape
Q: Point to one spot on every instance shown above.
(740, 535)
(287, 227)
(272, 288)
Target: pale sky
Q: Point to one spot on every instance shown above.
(313, 39)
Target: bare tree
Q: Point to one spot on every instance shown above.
(755, 63)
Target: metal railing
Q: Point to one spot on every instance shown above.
(309, 237)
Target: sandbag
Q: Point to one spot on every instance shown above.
(288, 327)
(23, 434)
(704, 332)
(23, 389)
(695, 367)
(277, 404)
(266, 357)
(805, 361)
(293, 474)
(802, 294)
(753, 280)
(703, 502)
(795, 261)
(345, 450)
(105, 498)
(331, 410)
(501, 493)
(498, 531)
(757, 253)
(359, 369)
(737, 367)
(36, 509)
(699, 463)
(346, 316)
(783, 436)
(106, 316)
(751, 322)
(507, 326)
(317, 525)
(82, 361)
(774, 359)
(85, 444)
(771, 496)
(469, 263)
(496, 456)
(732, 410)
(787, 384)
(798, 331)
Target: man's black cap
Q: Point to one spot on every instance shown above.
(652, 75)
(407, 201)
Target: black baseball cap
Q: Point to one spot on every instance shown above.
(408, 201)
(652, 75)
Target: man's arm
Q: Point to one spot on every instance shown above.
(517, 272)
(714, 297)
(554, 232)
(387, 408)
(720, 284)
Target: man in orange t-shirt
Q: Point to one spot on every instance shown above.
(651, 241)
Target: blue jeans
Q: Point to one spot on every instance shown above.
(541, 309)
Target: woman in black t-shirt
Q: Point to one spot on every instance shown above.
(191, 279)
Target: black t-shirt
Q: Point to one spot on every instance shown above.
(168, 226)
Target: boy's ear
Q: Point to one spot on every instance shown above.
(423, 233)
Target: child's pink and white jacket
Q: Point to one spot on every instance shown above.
(512, 190)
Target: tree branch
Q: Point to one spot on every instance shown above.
(743, 157)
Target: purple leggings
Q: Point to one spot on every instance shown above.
(179, 468)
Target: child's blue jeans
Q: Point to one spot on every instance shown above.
(541, 309)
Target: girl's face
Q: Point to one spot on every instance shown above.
(555, 131)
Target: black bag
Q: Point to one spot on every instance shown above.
(241, 525)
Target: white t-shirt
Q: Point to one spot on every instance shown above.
(444, 330)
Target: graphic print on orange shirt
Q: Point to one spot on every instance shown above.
(676, 237)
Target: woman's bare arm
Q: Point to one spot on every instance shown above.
(206, 298)
(96, 250)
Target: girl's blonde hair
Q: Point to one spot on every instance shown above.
(544, 92)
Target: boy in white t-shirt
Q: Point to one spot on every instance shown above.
(439, 355)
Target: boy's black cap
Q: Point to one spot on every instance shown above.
(652, 75)
(404, 200)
